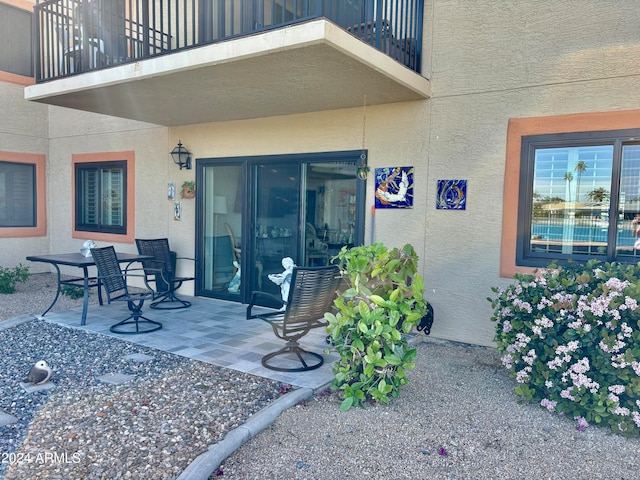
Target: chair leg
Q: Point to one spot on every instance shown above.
(168, 298)
(136, 318)
(293, 348)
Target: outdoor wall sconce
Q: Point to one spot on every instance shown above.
(181, 156)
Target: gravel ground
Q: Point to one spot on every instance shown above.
(458, 419)
(35, 295)
(151, 427)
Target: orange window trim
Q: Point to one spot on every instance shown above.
(519, 127)
(40, 230)
(23, 4)
(17, 79)
(129, 157)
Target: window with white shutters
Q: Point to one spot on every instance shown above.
(101, 197)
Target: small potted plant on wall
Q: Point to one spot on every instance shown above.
(188, 189)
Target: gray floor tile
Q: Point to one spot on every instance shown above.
(6, 419)
(211, 331)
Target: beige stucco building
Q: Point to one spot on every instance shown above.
(491, 72)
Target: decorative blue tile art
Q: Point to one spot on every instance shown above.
(452, 195)
(394, 187)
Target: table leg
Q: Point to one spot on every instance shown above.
(85, 303)
(57, 291)
(99, 287)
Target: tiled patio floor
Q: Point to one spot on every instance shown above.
(212, 331)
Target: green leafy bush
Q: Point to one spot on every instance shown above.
(383, 299)
(9, 277)
(571, 339)
(72, 292)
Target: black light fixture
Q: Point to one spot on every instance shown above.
(181, 156)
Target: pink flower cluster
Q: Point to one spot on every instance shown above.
(563, 354)
(523, 375)
(507, 361)
(636, 419)
(615, 348)
(521, 342)
(549, 404)
(617, 284)
(530, 357)
(617, 389)
(540, 323)
(544, 303)
(577, 374)
(623, 411)
(580, 326)
(526, 306)
(630, 303)
(582, 423)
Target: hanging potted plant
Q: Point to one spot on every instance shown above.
(188, 189)
(363, 171)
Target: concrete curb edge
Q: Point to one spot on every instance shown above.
(205, 464)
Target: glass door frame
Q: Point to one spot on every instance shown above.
(248, 164)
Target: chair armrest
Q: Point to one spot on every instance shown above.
(158, 272)
(123, 274)
(127, 269)
(182, 258)
(256, 295)
(127, 273)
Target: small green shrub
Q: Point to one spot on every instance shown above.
(571, 339)
(72, 292)
(384, 299)
(9, 277)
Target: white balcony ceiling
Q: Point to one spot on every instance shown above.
(302, 68)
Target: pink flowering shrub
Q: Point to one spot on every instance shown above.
(570, 336)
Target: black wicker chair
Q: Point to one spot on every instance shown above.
(114, 281)
(311, 295)
(161, 271)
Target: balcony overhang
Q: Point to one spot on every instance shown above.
(301, 68)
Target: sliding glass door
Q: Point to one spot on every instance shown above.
(219, 230)
(255, 211)
(275, 222)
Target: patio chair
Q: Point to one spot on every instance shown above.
(70, 40)
(114, 281)
(311, 295)
(161, 271)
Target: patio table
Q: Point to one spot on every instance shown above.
(80, 261)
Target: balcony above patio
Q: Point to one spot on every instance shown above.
(173, 77)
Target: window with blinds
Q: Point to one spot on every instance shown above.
(17, 195)
(101, 197)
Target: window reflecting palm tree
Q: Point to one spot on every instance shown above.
(580, 168)
(598, 195)
(569, 178)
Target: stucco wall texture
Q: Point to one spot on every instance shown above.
(488, 61)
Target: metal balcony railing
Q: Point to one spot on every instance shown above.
(76, 36)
